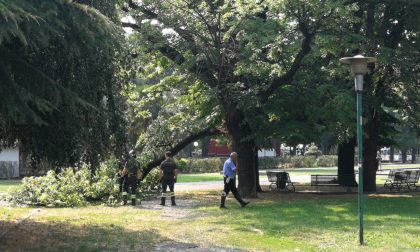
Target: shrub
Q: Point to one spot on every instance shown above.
(201, 165)
(265, 163)
(326, 161)
(302, 161)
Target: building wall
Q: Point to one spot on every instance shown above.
(9, 163)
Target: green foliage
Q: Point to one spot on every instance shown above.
(61, 81)
(53, 190)
(326, 161)
(266, 163)
(76, 188)
(150, 187)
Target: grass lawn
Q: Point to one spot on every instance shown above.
(6, 185)
(273, 222)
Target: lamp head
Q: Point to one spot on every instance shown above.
(358, 63)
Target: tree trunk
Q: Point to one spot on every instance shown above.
(243, 142)
(247, 173)
(391, 154)
(205, 144)
(345, 169)
(404, 155)
(370, 166)
(257, 170)
(413, 155)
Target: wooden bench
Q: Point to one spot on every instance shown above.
(399, 179)
(280, 180)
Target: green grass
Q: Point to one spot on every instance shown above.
(274, 222)
(6, 185)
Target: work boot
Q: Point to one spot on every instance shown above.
(162, 201)
(133, 202)
(173, 201)
(222, 202)
(125, 198)
(241, 201)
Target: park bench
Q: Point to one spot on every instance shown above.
(324, 180)
(280, 180)
(399, 179)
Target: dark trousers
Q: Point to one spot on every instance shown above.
(168, 182)
(230, 187)
(165, 183)
(130, 182)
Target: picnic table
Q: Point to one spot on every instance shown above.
(280, 180)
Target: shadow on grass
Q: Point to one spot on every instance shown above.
(315, 214)
(59, 236)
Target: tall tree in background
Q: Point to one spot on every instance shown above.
(60, 81)
(391, 33)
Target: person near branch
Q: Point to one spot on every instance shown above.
(168, 175)
(130, 173)
(230, 168)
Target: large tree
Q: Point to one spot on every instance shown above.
(242, 50)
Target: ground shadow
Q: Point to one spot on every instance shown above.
(32, 235)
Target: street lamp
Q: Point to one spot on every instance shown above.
(195, 148)
(358, 66)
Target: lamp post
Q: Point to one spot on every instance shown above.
(358, 66)
(195, 148)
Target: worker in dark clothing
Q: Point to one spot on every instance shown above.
(168, 175)
(229, 180)
(118, 177)
(131, 174)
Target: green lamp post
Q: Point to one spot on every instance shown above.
(358, 66)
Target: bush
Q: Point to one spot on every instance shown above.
(303, 161)
(327, 161)
(200, 165)
(297, 162)
(265, 163)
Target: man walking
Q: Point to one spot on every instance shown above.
(168, 175)
(229, 179)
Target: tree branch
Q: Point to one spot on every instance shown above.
(179, 146)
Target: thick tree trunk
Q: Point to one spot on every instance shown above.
(345, 169)
(257, 170)
(205, 143)
(404, 155)
(391, 154)
(246, 174)
(413, 155)
(244, 144)
(370, 165)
